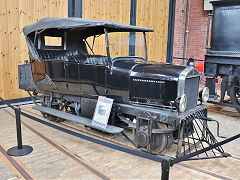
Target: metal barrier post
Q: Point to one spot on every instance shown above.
(19, 128)
(19, 150)
(166, 162)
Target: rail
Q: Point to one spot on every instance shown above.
(224, 104)
(19, 150)
(7, 103)
(168, 161)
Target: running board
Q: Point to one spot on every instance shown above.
(82, 120)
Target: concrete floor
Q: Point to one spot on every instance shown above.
(58, 155)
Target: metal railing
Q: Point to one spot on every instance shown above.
(168, 161)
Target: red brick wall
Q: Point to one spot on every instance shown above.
(198, 20)
(197, 28)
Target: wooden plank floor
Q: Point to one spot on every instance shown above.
(63, 156)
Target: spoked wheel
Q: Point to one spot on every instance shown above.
(160, 140)
(50, 117)
(54, 105)
(234, 92)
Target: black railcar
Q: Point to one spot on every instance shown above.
(158, 101)
(223, 55)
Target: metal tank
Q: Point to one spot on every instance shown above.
(223, 55)
(225, 37)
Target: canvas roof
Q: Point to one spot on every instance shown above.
(74, 23)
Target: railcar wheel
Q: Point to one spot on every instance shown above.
(159, 141)
(234, 92)
(56, 104)
(50, 117)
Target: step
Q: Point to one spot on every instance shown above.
(82, 120)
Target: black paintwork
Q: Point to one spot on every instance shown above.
(223, 57)
(160, 71)
(171, 25)
(91, 80)
(70, 69)
(225, 38)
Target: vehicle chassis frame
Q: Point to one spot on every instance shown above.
(172, 118)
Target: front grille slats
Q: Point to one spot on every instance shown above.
(191, 91)
(161, 92)
(146, 90)
(152, 92)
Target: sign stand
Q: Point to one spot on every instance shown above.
(102, 112)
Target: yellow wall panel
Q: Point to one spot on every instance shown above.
(14, 15)
(150, 13)
(154, 14)
(114, 10)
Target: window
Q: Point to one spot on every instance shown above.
(53, 41)
(96, 45)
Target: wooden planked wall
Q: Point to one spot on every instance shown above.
(14, 15)
(109, 10)
(154, 14)
(150, 13)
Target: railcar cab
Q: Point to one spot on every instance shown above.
(67, 62)
(85, 61)
(74, 61)
(66, 46)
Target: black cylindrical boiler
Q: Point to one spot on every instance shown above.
(225, 36)
(223, 55)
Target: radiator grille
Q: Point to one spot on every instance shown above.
(159, 92)
(191, 91)
(150, 91)
(146, 90)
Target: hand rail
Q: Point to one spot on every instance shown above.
(11, 106)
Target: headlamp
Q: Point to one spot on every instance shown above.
(204, 94)
(183, 103)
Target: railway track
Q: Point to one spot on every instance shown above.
(14, 165)
(93, 134)
(223, 110)
(90, 169)
(110, 139)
